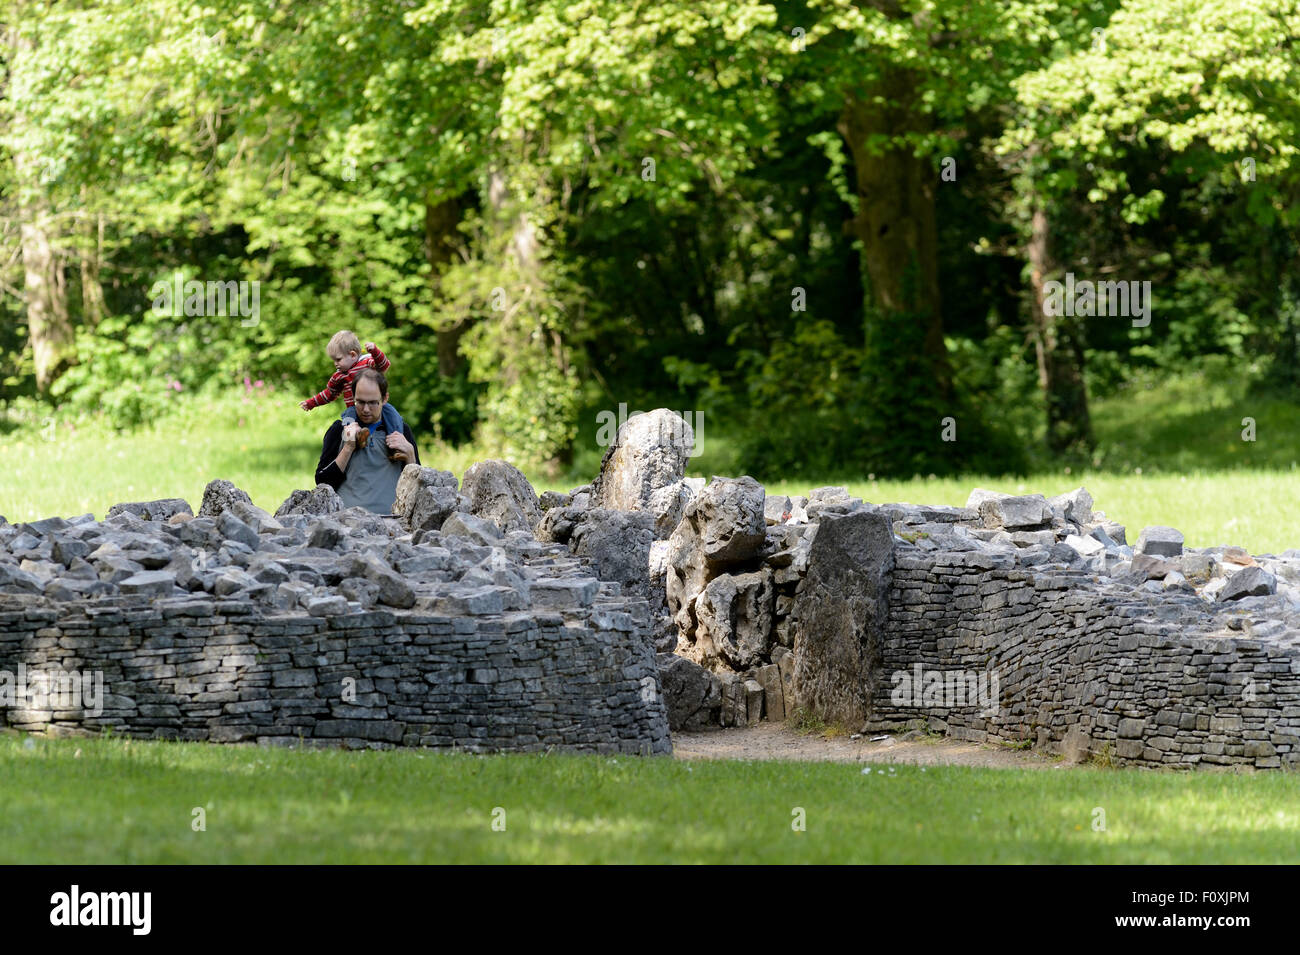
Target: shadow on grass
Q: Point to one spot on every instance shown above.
(1204, 438)
(134, 805)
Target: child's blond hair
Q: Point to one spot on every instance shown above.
(342, 343)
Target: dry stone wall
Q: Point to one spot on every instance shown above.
(983, 648)
(227, 670)
(435, 626)
(481, 616)
(1016, 618)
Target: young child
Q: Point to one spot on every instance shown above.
(344, 350)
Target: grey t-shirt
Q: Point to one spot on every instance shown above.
(371, 479)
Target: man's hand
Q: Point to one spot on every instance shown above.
(402, 448)
(304, 406)
(350, 435)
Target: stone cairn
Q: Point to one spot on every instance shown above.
(762, 607)
(716, 604)
(454, 624)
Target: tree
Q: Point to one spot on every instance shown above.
(1205, 92)
(906, 77)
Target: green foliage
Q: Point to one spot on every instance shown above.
(118, 376)
(816, 406)
(794, 410)
(674, 171)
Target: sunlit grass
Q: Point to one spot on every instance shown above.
(1259, 510)
(109, 801)
(1173, 454)
(263, 443)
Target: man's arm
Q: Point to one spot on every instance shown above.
(334, 457)
(403, 446)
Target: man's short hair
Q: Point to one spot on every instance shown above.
(342, 343)
(371, 374)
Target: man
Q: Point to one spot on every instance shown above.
(365, 473)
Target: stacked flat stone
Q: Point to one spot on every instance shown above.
(237, 625)
(340, 560)
(1100, 647)
(1088, 664)
(480, 615)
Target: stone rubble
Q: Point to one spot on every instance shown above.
(317, 561)
(757, 607)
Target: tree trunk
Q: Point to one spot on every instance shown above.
(896, 226)
(440, 229)
(44, 292)
(1058, 341)
(523, 237)
(93, 307)
(47, 302)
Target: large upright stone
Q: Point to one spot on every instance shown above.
(650, 453)
(838, 615)
(726, 521)
(723, 526)
(618, 545)
(426, 497)
(1159, 542)
(221, 495)
(735, 618)
(668, 504)
(498, 491)
(322, 499)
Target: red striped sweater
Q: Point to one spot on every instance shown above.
(340, 382)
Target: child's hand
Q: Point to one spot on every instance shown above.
(304, 406)
(370, 346)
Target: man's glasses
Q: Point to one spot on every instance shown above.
(368, 404)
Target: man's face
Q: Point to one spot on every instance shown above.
(368, 401)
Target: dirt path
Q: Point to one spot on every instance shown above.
(776, 741)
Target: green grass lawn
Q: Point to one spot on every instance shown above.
(110, 801)
(265, 444)
(106, 801)
(1172, 450)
